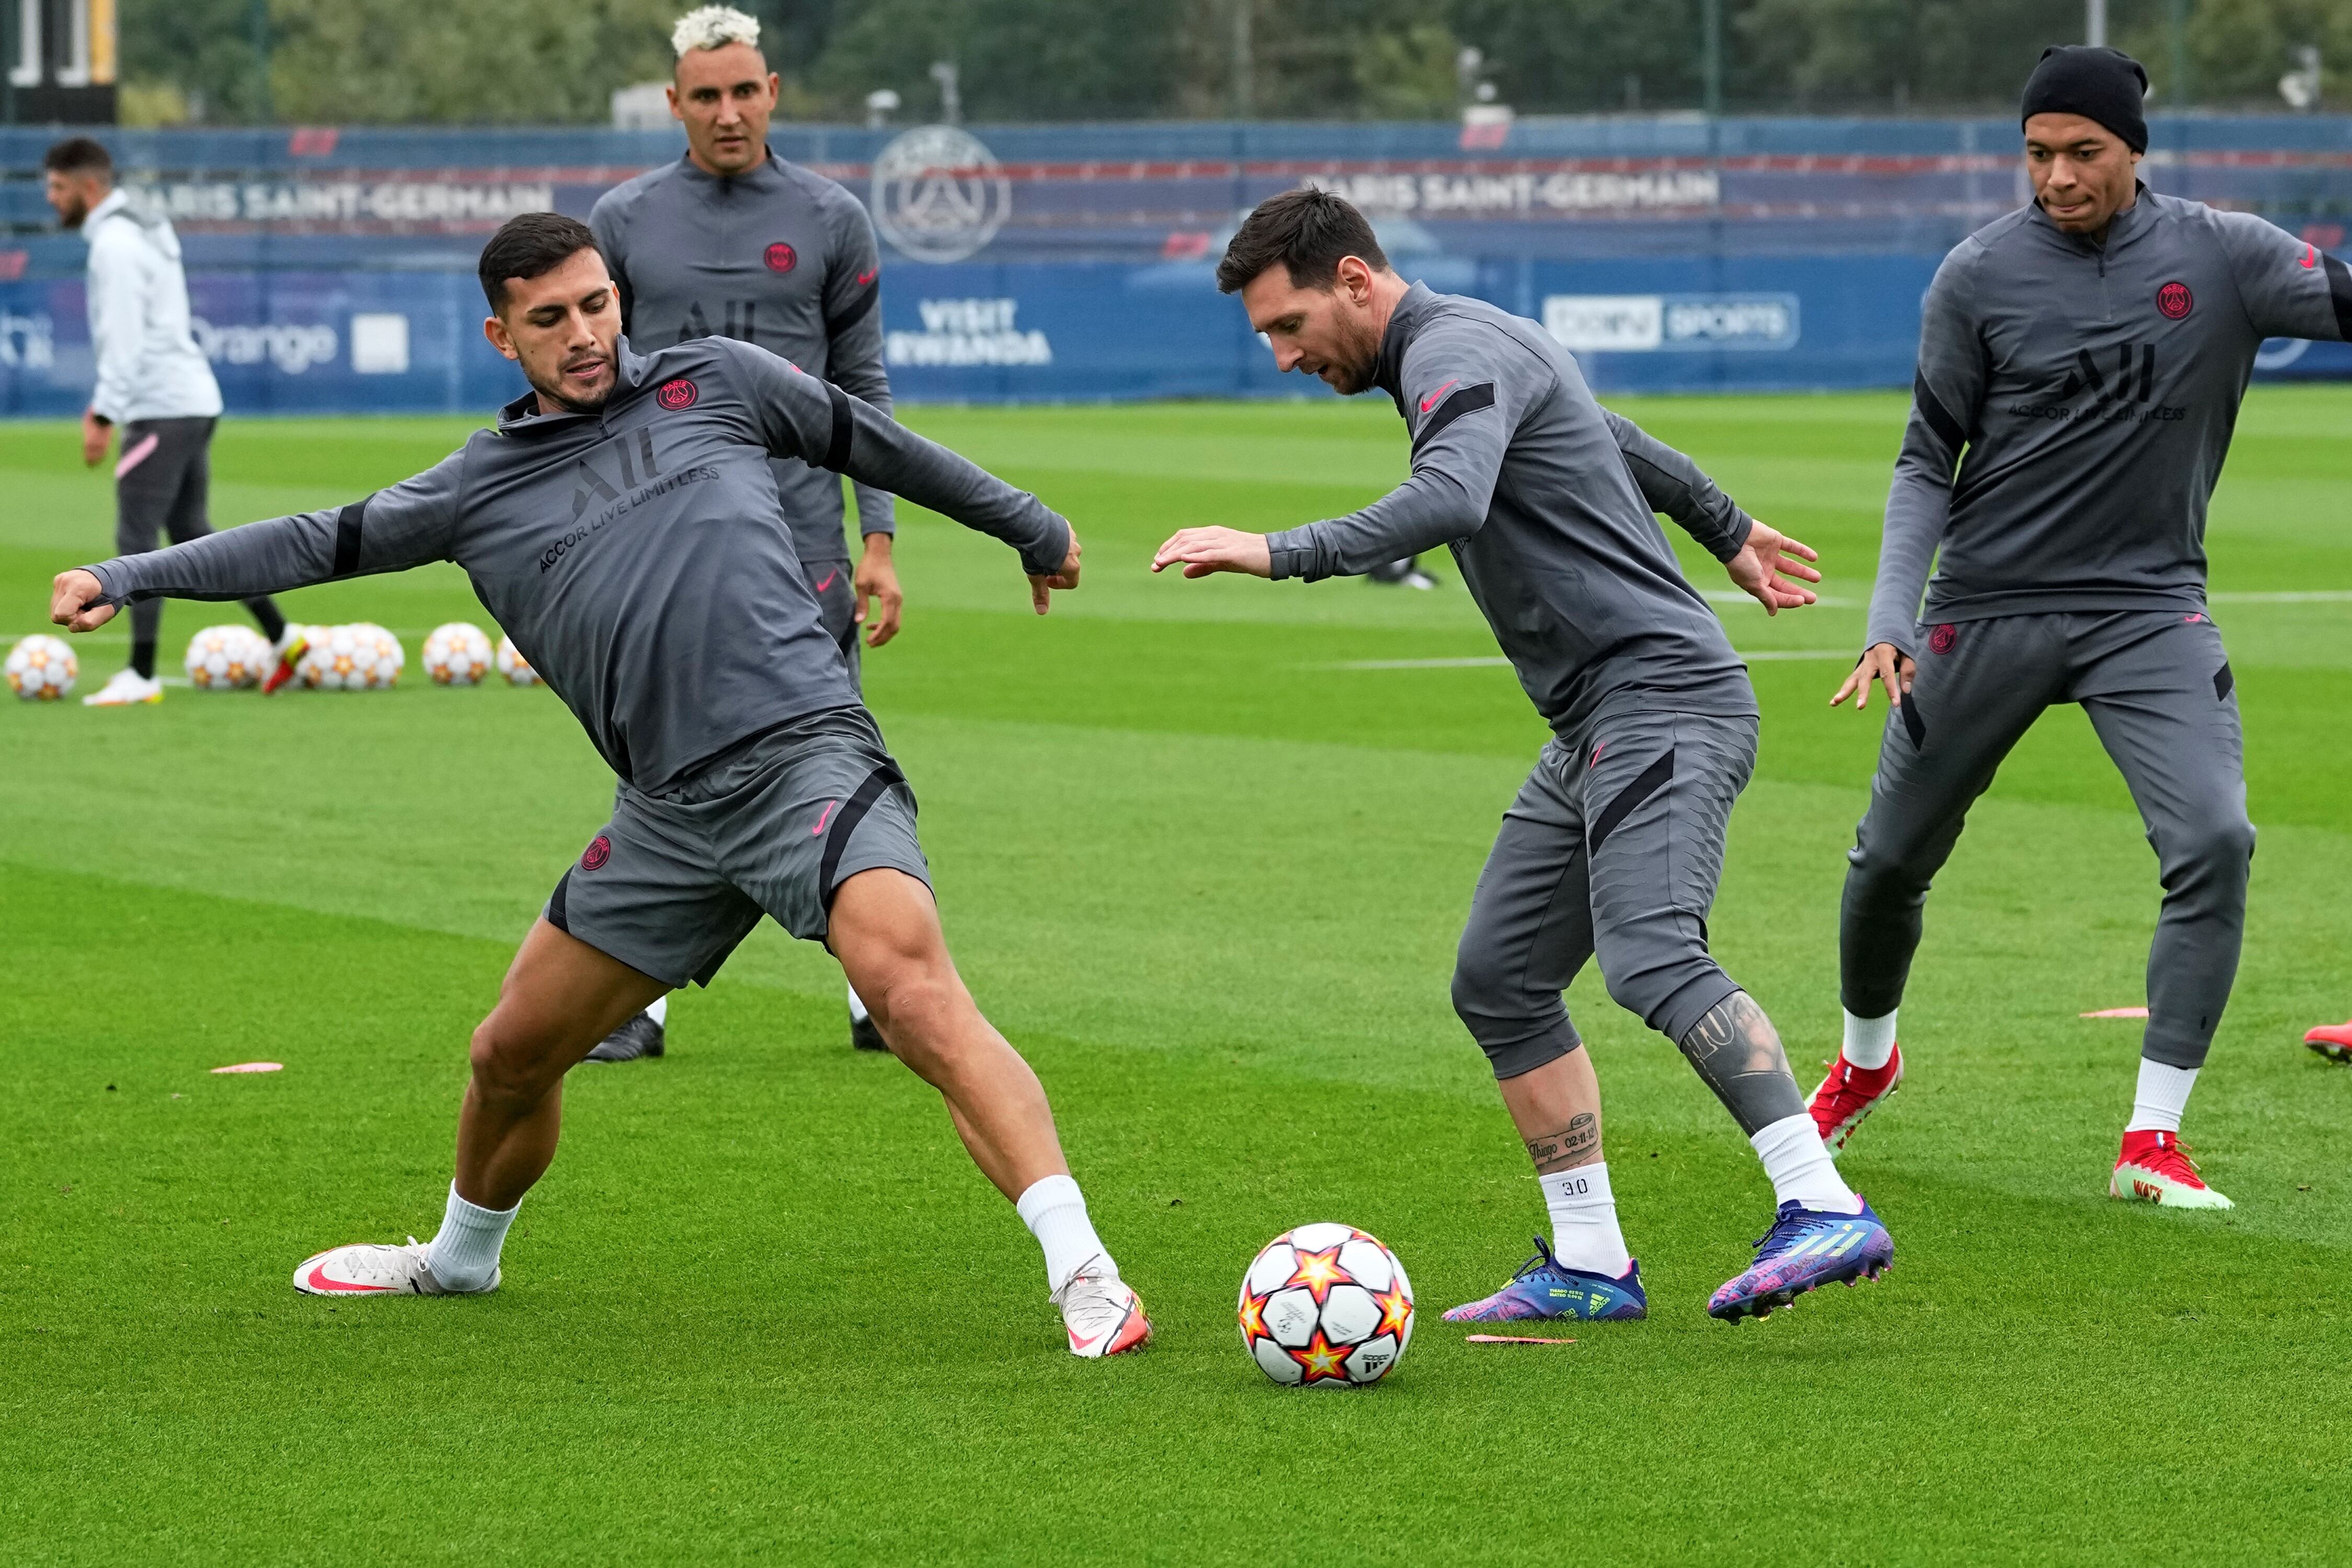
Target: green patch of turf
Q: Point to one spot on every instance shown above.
(1208, 876)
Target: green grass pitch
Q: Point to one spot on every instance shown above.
(1206, 871)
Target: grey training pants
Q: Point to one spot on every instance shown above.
(160, 481)
(2157, 689)
(1613, 849)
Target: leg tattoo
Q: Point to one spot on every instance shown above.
(1577, 1143)
(1736, 1051)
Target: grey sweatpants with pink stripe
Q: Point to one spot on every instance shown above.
(160, 483)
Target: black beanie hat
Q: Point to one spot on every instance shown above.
(2094, 81)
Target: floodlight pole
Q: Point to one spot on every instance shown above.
(2177, 25)
(2095, 22)
(257, 27)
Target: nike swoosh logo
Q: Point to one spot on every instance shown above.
(2310, 256)
(829, 576)
(823, 817)
(868, 276)
(1431, 401)
(319, 1281)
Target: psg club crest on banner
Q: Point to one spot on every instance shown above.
(2175, 300)
(939, 194)
(1942, 639)
(780, 258)
(597, 854)
(678, 394)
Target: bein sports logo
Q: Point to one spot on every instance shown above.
(290, 348)
(1651, 323)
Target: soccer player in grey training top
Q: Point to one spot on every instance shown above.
(1614, 845)
(618, 523)
(733, 241)
(2081, 363)
(154, 382)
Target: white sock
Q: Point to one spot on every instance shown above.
(1802, 1170)
(465, 1253)
(2162, 1096)
(1584, 1232)
(1056, 1213)
(856, 1006)
(1869, 1042)
(658, 1010)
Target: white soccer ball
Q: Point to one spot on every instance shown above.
(226, 658)
(513, 666)
(385, 658)
(41, 668)
(360, 657)
(456, 654)
(1326, 1306)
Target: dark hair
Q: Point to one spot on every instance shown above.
(530, 244)
(79, 156)
(1308, 231)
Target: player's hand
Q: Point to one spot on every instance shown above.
(1202, 551)
(1041, 589)
(1884, 666)
(878, 580)
(95, 434)
(1773, 569)
(69, 602)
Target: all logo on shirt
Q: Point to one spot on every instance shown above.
(782, 257)
(677, 393)
(2175, 300)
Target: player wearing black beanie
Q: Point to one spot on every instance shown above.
(2094, 81)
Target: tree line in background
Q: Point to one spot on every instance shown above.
(558, 61)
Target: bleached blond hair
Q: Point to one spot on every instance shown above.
(713, 27)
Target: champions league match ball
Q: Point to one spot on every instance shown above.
(361, 656)
(513, 666)
(456, 654)
(41, 668)
(227, 658)
(1326, 1305)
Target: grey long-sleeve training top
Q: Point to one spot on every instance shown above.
(777, 255)
(632, 554)
(2094, 388)
(1546, 501)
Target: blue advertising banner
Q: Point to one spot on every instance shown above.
(332, 270)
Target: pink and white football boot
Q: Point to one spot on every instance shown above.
(376, 1269)
(2155, 1167)
(1102, 1312)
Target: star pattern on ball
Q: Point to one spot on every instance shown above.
(1318, 1271)
(1322, 1361)
(1396, 1310)
(1253, 1315)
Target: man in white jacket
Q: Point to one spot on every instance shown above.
(155, 383)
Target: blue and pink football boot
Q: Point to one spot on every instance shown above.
(1546, 1288)
(1805, 1248)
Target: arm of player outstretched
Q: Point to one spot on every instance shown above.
(2291, 287)
(800, 416)
(1680, 489)
(1945, 396)
(853, 329)
(402, 525)
(1461, 382)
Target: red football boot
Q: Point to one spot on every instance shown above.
(2333, 1041)
(1851, 1093)
(2155, 1168)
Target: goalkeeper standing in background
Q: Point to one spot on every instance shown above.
(154, 382)
(732, 241)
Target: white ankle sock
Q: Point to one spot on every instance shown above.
(1869, 1042)
(1584, 1232)
(658, 1010)
(856, 1006)
(1056, 1213)
(2162, 1096)
(1801, 1169)
(465, 1251)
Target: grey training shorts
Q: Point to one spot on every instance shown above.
(675, 881)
